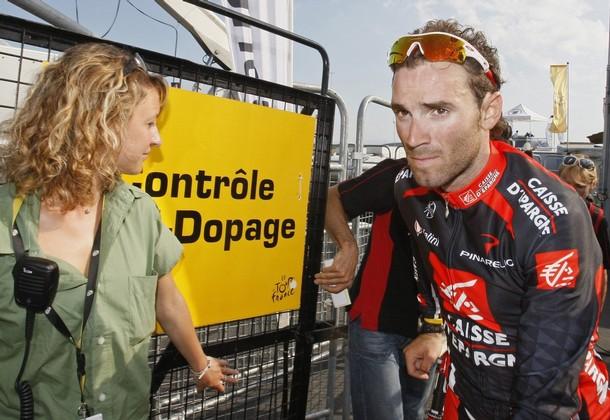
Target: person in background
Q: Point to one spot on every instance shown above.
(384, 314)
(580, 172)
(501, 132)
(508, 255)
(90, 117)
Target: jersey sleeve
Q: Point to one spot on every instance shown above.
(168, 249)
(372, 191)
(559, 312)
(601, 232)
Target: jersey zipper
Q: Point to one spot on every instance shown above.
(455, 229)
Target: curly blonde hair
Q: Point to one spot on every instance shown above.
(64, 142)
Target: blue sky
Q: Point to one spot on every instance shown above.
(529, 35)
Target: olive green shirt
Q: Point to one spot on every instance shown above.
(136, 249)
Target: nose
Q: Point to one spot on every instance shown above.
(156, 137)
(411, 133)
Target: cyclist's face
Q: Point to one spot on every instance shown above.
(443, 130)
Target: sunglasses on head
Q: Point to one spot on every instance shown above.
(135, 62)
(584, 163)
(438, 46)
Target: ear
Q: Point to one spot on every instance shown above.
(491, 110)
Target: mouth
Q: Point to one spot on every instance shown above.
(422, 161)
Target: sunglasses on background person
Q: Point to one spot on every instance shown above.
(438, 46)
(584, 163)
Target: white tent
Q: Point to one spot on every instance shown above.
(523, 113)
(523, 117)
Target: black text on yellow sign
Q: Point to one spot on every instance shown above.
(232, 182)
(191, 225)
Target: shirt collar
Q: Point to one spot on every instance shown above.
(116, 205)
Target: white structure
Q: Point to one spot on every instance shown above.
(521, 116)
(523, 113)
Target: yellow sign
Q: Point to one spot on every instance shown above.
(232, 182)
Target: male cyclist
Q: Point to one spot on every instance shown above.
(510, 263)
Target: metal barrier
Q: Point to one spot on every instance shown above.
(281, 356)
(366, 219)
(337, 350)
(343, 129)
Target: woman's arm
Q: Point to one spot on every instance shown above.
(174, 317)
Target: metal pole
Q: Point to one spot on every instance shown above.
(568, 103)
(51, 15)
(343, 132)
(358, 153)
(360, 127)
(606, 174)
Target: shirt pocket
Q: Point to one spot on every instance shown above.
(142, 292)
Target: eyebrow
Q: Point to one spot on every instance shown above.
(397, 107)
(438, 104)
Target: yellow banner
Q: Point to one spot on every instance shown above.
(232, 182)
(559, 78)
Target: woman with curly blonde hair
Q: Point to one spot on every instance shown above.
(581, 173)
(89, 117)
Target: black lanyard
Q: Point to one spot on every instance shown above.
(55, 319)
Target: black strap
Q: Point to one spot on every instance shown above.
(17, 242)
(54, 317)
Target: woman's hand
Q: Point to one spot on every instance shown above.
(217, 375)
(174, 317)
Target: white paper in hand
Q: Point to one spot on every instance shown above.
(341, 299)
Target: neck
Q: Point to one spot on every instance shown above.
(471, 171)
(88, 207)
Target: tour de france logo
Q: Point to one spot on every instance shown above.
(287, 286)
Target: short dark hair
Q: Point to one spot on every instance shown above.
(479, 83)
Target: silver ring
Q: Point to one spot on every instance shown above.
(333, 285)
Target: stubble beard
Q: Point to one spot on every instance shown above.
(462, 157)
(442, 178)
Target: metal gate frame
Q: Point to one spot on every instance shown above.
(290, 347)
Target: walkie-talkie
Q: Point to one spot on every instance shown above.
(36, 281)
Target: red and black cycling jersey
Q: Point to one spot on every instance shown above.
(384, 293)
(513, 261)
